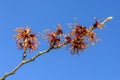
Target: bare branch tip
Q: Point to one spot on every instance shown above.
(110, 18)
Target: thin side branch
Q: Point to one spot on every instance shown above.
(46, 51)
(12, 72)
(24, 54)
(102, 23)
(43, 52)
(22, 63)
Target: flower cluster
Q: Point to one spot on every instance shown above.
(79, 38)
(55, 37)
(26, 39)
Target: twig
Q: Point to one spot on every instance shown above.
(24, 62)
(102, 23)
(25, 49)
(43, 52)
(24, 54)
(12, 72)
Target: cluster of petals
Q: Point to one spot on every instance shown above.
(26, 39)
(55, 37)
(80, 38)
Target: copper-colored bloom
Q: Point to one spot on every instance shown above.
(79, 31)
(92, 36)
(78, 44)
(80, 38)
(59, 30)
(26, 39)
(55, 37)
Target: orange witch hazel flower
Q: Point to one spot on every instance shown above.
(54, 37)
(80, 38)
(26, 39)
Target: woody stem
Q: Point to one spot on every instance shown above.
(25, 48)
(102, 23)
(40, 53)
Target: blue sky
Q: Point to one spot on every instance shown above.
(99, 62)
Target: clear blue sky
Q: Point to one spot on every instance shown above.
(99, 62)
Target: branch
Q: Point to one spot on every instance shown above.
(46, 51)
(43, 52)
(12, 72)
(26, 61)
(102, 23)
